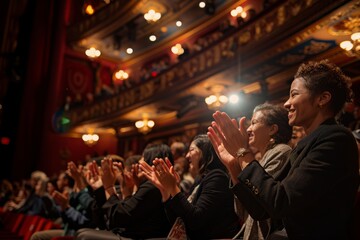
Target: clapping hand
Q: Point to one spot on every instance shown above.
(163, 176)
(77, 174)
(93, 176)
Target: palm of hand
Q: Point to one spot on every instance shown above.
(95, 182)
(224, 155)
(168, 181)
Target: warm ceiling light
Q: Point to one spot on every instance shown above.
(152, 38)
(179, 23)
(92, 52)
(129, 51)
(121, 75)
(238, 11)
(216, 100)
(89, 10)
(152, 16)
(202, 4)
(90, 139)
(352, 46)
(177, 49)
(233, 99)
(145, 125)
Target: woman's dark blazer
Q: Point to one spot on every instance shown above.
(211, 215)
(315, 191)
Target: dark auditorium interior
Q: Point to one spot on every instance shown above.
(87, 78)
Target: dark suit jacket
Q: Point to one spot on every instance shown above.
(315, 191)
(211, 215)
(139, 216)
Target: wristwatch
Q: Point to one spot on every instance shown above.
(241, 152)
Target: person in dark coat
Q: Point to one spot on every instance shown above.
(138, 215)
(314, 193)
(208, 213)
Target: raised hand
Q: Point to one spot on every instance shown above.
(61, 200)
(93, 176)
(232, 135)
(77, 174)
(227, 137)
(107, 175)
(137, 174)
(166, 175)
(125, 179)
(149, 173)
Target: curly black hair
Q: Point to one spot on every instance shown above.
(325, 76)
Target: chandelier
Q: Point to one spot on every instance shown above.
(152, 16)
(177, 49)
(90, 139)
(121, 75)
(216, 100)
(352, 46)
(92, 52)
(145, 125)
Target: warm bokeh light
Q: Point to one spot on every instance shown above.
(92, 52)
(178, 23)
(177, 49)
(89, 10)
(347, 45)
(129, 51)
(90, 139)
(152, 15)
(233, 99)
(152, 38)
(202, 4)
(121, 75)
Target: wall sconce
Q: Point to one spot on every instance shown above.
(152, 16)
(177, 49)
(90, 139)
(352, 47)
(217, 100)
(145, 125)
(92, 52)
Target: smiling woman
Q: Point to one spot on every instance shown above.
(200, 211)
(321, 172)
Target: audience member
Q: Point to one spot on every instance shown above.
(73, 205)
(321, 172)
(269, 133)
(208, 213)
(140, 215)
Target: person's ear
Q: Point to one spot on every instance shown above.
(273, 129)
(324, 99)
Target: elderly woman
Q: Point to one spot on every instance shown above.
(269, 133)
(208, 213)
(315, 191)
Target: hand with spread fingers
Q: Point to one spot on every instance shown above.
(108, 177)
(93, 176)
(125, 180)
(61, 200)
(77, 174)
(163, 176)
(232, 135)
(227, 137)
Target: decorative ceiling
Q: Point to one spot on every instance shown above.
(257, 59)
